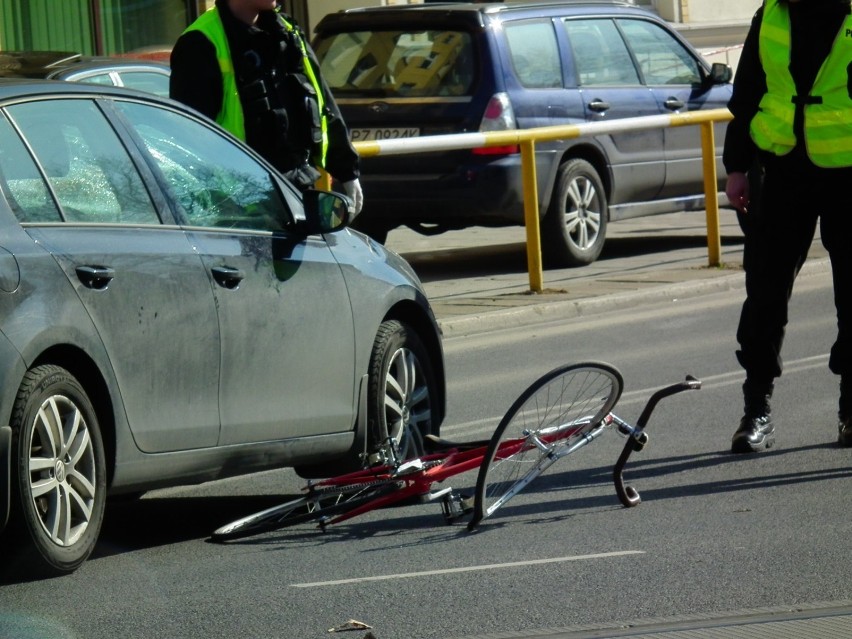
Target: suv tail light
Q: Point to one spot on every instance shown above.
(498, 116)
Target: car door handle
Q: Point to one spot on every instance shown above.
(599, 106)
(96, 277)
(227, 277)
(673, 104)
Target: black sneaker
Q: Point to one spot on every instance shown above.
(754, 434)
(844, 435)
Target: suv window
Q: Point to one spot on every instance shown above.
(663, 59)
(600, 55)
(535, 54)
(398, 63)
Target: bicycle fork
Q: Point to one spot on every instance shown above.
(551, 456)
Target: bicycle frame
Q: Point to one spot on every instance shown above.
(418, 475)
(421, 473)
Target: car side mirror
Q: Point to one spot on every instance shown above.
(326, 211)
(720, 73)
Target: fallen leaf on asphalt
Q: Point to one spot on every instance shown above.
(352, 624)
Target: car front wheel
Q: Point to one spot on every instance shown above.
(402, 390)
(59, 481)
(574, 228)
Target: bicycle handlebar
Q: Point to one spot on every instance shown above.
(690, 383)
(637, 439)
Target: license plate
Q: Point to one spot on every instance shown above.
(384, 133)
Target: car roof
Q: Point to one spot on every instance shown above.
(59, 64)
(12, 89)
(470, 13)
(492, 7)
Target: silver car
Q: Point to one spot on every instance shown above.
(173, 311)
(133, 73)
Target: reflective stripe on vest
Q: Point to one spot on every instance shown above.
(230, 115)
(320, 153)
(828, 107)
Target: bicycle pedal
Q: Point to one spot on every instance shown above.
(453, 506)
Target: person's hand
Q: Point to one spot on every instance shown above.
(353, 190)
(737, 190)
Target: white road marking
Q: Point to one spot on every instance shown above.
(447, 571)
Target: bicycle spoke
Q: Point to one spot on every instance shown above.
(320, 503)
(549, 416)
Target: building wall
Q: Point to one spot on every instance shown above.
(722, 10)
(691, 11)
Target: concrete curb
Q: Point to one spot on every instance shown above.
(542, 312)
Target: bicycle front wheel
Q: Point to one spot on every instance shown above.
(553, 413)
(321, 502)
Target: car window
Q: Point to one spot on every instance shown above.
(601, 57)
(86, 166)
(535, 54)
(20, 181)
(214, 182)
(156, 83)
(398, 63)
(99, 78)
(663, 59)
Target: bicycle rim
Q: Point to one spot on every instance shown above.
(322, 502)
(553, 412)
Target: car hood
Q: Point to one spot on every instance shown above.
(350, 247)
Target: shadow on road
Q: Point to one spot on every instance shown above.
(160, 521)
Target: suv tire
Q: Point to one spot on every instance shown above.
(575, 224)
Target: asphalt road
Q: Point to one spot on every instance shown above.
(716, 534)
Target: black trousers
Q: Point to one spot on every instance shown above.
(778, 233)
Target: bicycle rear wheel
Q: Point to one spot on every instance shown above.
(554, 412)
(321, 502)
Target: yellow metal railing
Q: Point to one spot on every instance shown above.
(527, 139)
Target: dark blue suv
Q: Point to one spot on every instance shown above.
(416, 70)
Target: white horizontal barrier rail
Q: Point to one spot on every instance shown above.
(527, 138)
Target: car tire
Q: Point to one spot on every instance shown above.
(59, 476)
(574, 228)
(402, 391)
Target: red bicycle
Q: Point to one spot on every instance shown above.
(558, 414)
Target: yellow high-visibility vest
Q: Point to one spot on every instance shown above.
(828, 106)
(230, 115)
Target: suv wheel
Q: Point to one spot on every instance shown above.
(59, 482)
(575, 224)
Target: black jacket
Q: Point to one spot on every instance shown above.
(197, 82)
(815, 24)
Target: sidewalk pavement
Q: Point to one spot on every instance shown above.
(831, 620)
(477, 279)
